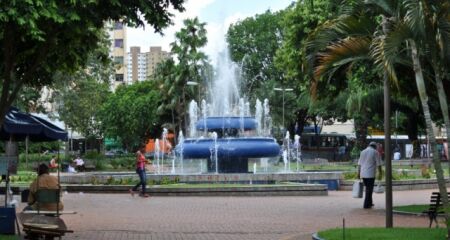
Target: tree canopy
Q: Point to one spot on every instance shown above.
(129, 114)
(38, 38)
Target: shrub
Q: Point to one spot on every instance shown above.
(93, 154)
(115, 163)
(425, 172)
(350, 175)
(99, 164)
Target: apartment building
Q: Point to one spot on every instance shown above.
(141, 65)
(118, 35)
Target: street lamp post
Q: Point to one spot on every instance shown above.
(283, 90)
(192, 83)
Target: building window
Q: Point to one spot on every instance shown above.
(118, 43)
(118, 25)
(118, 60)
(119, 77)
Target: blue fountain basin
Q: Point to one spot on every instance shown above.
(229, 148)
(219, 123)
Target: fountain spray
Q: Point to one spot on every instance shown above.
(157, 152)
(164, 139)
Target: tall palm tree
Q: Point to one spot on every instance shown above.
(191, 60)
(358, 35)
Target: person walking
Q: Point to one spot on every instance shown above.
(368, 162)
(140, 170)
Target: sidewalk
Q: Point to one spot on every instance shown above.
(120, 216)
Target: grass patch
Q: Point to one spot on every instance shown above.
(412, 208)
(385, 234)
(8, 237)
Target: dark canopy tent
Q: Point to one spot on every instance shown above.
(18, 125)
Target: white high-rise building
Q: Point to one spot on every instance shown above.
(142, 65)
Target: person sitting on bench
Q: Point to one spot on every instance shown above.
(79, 164)
(43, 181)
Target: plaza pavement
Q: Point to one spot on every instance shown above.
(121, 216)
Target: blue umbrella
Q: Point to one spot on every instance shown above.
(19, 125)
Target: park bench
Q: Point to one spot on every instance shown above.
(435, 208)
(89, 166)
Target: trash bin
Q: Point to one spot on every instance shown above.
(24, 195)
(7, 220)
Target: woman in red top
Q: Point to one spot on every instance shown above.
(140, 170)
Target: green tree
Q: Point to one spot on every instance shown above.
(299, 21)
(191, 66)
(130, 114)
(253, 42)
(80, 95)
(385, 32)
(38, 38)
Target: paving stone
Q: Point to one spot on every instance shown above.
(120, 216)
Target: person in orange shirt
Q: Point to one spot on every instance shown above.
(140, 170)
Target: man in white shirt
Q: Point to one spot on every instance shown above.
(79, 164)
(368, 162)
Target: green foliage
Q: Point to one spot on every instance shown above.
(93, 155)
(253, 42)
(425, 172)
(109, 180)
(168, 180)
(115, 163)
(40, 38)
(192, 65)
(35, 158)
(80, 103)
(94, 180)
(350, 175)
(130, 114)
(385, 233)
(99, 164)
(23, 177)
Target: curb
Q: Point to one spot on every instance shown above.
(318, 190)
(315, 236)
(409, 213)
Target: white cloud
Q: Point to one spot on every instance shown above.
(146, 37)
(215, 30)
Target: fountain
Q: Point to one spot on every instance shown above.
(225, 134)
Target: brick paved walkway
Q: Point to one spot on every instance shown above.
(120, 216)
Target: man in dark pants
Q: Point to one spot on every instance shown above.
(368, 162)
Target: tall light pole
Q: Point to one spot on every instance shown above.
(283, 90)
(192, 83)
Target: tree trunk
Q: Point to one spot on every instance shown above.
(413, 132)
(444, 106)
(360, 132)
(426, 112)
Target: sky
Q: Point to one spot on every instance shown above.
(217, 14)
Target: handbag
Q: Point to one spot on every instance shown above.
(357, 191)
(378, 188)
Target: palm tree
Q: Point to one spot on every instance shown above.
(191, 61)
(358, 35)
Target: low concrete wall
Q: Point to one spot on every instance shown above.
(400, 185)
(83, 178)
(276, 190)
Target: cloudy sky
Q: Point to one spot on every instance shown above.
(218, 15)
